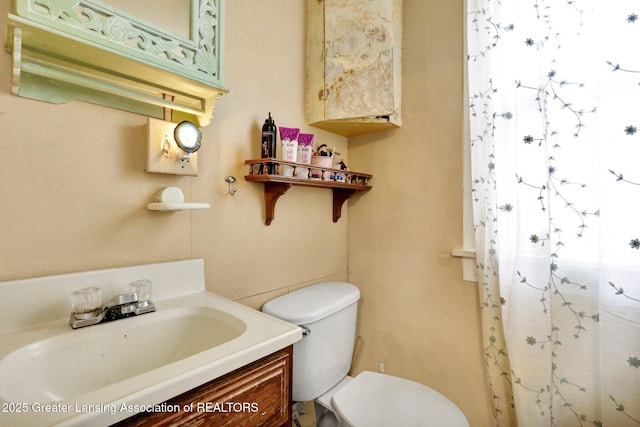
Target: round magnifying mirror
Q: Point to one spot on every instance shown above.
(188, 136)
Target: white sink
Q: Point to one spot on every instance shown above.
(98, 375)
(75, 363)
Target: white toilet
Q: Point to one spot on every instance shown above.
(321, 360)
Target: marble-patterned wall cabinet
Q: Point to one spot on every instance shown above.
(354, 65)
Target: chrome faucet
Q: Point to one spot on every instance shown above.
(86, 310)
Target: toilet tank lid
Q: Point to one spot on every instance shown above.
(315, 302)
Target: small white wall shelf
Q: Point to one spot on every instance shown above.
(166, 207)
(172, 199)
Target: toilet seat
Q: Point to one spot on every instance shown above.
(372, 399)
(325, 399)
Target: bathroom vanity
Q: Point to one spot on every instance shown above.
(198, 356)
(256, 394)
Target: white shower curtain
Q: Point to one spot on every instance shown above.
(554, 112)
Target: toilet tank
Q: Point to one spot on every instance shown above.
(323, 357)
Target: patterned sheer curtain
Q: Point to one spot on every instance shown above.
(554, 111)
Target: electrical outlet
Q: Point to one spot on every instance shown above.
(163, 154)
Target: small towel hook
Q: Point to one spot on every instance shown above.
(230, 179)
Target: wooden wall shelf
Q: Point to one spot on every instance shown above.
(344, 183)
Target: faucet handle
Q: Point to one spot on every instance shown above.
(142, 288)
(86, 300)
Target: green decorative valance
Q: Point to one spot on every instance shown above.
(87, 50)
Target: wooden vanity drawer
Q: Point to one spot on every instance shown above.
(258, 394)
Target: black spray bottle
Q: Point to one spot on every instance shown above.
(269, 132)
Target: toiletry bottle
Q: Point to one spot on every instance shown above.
(269, 132)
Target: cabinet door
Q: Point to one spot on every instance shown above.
(258, 394)
(358, 59)
(354, 65)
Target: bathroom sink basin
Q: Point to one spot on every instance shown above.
(74, 363)
(51, 374)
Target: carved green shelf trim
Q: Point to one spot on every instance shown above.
(86, 50)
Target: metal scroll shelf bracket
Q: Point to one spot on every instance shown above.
(344, 183)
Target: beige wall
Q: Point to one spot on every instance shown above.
(416, 314)
(73, 194)
(74, 189)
